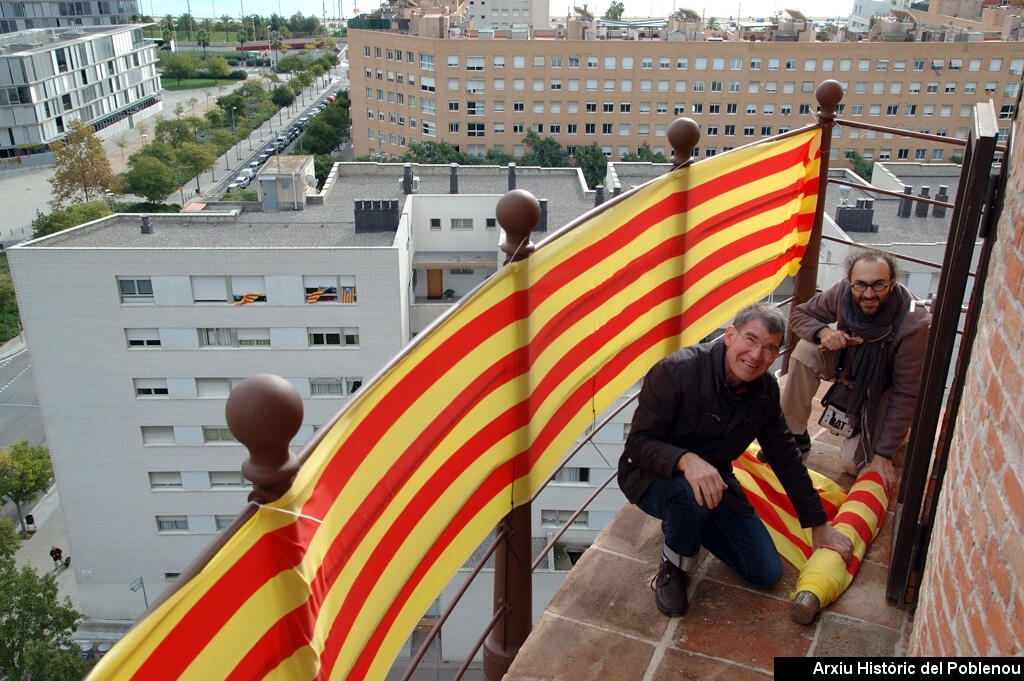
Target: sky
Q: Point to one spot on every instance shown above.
(747, 8)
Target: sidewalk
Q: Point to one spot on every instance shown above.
(50, 531)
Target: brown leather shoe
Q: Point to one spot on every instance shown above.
(670, 589)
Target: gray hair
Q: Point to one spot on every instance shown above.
(766, 313)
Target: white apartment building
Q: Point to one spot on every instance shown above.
(505, 14)
(18, 15)
(135, 357)
(860, 18)
(105, 77)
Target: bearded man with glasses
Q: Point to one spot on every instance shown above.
(699, 409)
(874, 357)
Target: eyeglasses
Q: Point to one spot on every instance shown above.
(877, 286)
(769, 351)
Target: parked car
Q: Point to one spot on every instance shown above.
(264, 156)
(254, 166)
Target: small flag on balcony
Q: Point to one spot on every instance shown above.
(471, 420)
(315, 295)
(348, 294)
(248, 298)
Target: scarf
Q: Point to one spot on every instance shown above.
(867, 372)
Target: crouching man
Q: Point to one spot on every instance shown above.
(699, 409)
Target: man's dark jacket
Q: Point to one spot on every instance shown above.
(686, 406)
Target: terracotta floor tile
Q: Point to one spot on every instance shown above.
(560, 650)
(612, 592)
(632, 532)
(881, 546)
(734, 624)
(719, 571)
(680, 666)
(865, 598)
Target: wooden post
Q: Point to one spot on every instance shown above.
(518, 213)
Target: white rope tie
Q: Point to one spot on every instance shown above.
(318, 521)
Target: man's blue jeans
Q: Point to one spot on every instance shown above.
(741, 542)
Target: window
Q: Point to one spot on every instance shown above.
(453, 61)
(157, 435)
(591, 62)
(214, 434)
(519, 62)
(477, 63)
(589, 128)
(475, 130)
(427, 106)
(606, 128)
(326, 387)
(215, 387)
(556, 62)
(135, 290)
(427, 62)
(150, 387)
(474, 108)
(171, 523)
(550, 518)
(574, 62)
(222, 521)
(207, 289)
(165, 480)
(334, 336)
(572, 475)
(427, 84)
(142, 337)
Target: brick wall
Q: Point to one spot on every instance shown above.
(971, 599)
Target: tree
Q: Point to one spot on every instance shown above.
(178, 65)
(615, 11)
(8, 300)
(292, 62)
(196, 158)
(172, 131)
(36, 629)
(195, 124)
(322, 164)
(593, 162)
(59, 220)
(151, 179)
(216, 67)
(320, 138)
(861, 166)
(8, 540)
(644, 153)
(546, 152)
(25, 471)
(203, 39)
(283, 96)
(81, 168)
(433, 152)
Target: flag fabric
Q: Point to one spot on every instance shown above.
(248, 298)
(859, 514)
(348, 294)
(471, 420)
(316, 295)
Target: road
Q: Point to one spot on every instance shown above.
(20, 418)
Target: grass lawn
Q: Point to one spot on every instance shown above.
(192, 83)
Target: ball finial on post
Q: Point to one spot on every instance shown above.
(518, 213)
(829, 93)
(264, 412)
(683, 135)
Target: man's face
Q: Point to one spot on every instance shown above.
(865, 274)
(749, 351)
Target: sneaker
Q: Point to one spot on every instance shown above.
(803, 442)
(670, 589)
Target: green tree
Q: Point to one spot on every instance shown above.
(203, 39)
(178, 65)
(861, 166)
(195, 124)
(320, 138)
(172, 131)
(434, 152)
(25, 471)
(81, 168)
(72, 216)
(244, 35)
(291, 63)
(498, 158)
(196, 158)
(161, 151)
(8, 301)
(644, 153)
(593, 162)
(216, 67)
(36, 629)
(151, 179)
(8, 540)
(276, 44)
(615, 11)
(545, 152)
(283, 96)
(322, 164)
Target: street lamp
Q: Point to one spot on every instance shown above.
(233, 131)
(144, 136)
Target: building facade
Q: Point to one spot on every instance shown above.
(621, 94)
(19, 15)
(48, 77)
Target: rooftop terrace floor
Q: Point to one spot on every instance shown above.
(603, 624)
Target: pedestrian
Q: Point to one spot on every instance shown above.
(56, 554)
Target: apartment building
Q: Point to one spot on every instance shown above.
(18, 15)
(159, 316)
(105, 77)
(621, 94)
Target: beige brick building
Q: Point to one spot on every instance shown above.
(482, 94)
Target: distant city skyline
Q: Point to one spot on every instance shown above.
(642, 8)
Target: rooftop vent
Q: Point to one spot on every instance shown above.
(146, 227)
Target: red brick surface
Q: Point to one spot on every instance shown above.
(969, 602)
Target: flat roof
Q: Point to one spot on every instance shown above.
(33, 40)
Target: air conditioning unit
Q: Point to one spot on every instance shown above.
(415, 183)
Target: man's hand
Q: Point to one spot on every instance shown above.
(884, 468)
(831, 339)
(826, 536)
(704, 479)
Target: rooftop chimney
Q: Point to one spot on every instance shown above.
(857, 218)
(599, 195)
(453, 179)
(943, 195)
(543, 225)
(407, 179)
(905, 205)
(511, 176)
(146, 227)
(921, 209)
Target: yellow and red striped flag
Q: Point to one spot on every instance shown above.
(315, 295)
(472, 418)
(248, 298)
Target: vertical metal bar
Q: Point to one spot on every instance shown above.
(978, 157)
(828, 94)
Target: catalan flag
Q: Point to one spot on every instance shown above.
(470, 421)
(348, 294)
(314, 296)
(859, 514)
(248, 298)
